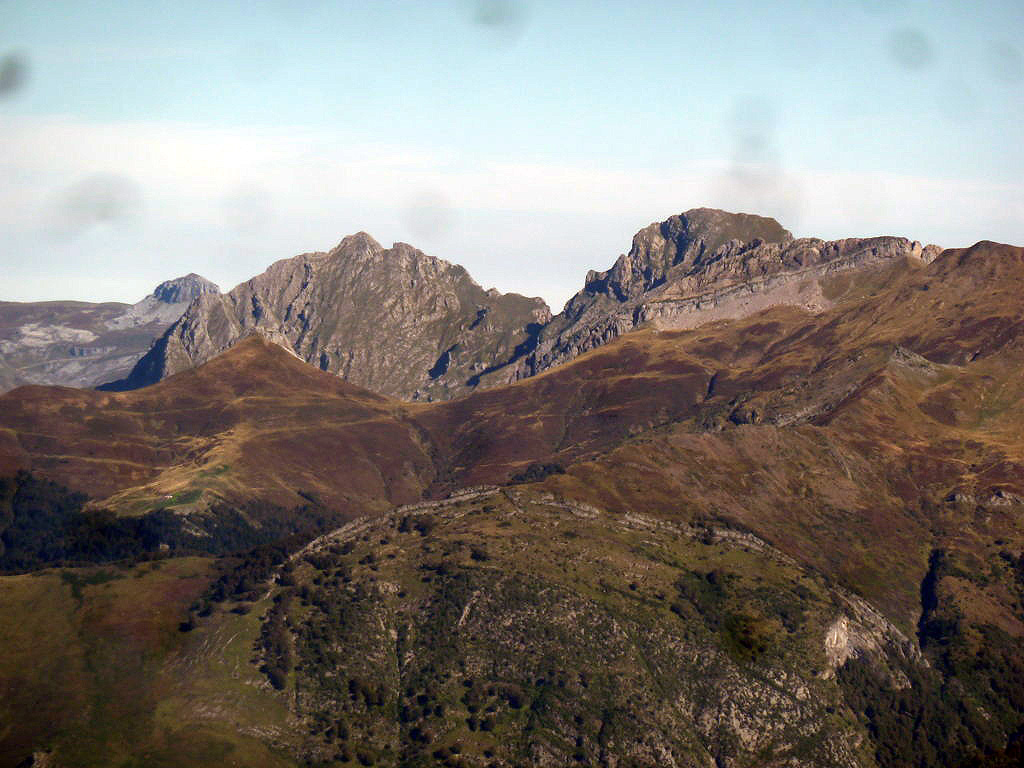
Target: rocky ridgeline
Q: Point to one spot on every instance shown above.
(396, 321)
(81, 344)
(701, 266)
(403, 323)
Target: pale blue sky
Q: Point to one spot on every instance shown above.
(525, 140)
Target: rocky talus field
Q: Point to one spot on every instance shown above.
(749, 500)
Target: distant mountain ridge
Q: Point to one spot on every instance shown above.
(81, 344)
(167, 302)
(408, 325)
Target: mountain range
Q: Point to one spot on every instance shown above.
(78, 344)
(747, 500)
(408, 325)
(411, 326)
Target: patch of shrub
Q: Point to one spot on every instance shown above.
(43, 524)
(536, 472)
(746, 638)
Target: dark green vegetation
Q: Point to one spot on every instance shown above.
(792, 540)
(536, 471)
(43, 525)
(520, 630)
(973, 694)
(512, 628)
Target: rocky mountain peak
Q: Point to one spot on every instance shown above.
(685, 241)
(395, 320)
(406, 324)
(358, 244)
(696, 267)
(184, 289)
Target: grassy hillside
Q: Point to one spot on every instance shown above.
(791, 540)
(96, 671)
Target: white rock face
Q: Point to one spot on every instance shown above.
(79, 344)
(867, 633)
(36, 335)
(839, 646)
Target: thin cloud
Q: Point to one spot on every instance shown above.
(227, 203)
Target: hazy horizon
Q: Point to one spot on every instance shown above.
(526, 141)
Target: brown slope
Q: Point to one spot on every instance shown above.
(878, 406)
(281, 426)
(784, 366)
(859, 441)
(255, 422)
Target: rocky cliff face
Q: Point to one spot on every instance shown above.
(408, 325)
(396, 321)
(701, 266)
(167, 302)
(80, 344)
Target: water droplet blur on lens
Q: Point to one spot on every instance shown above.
(755, 180)
(504, 19)
(910, 49)
(13, 74)
(1006, 63)
(96, 200)
(429, 216)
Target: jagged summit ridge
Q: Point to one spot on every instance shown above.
(395, 320)
(679, 243)
(697, 267)
(409, 325)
